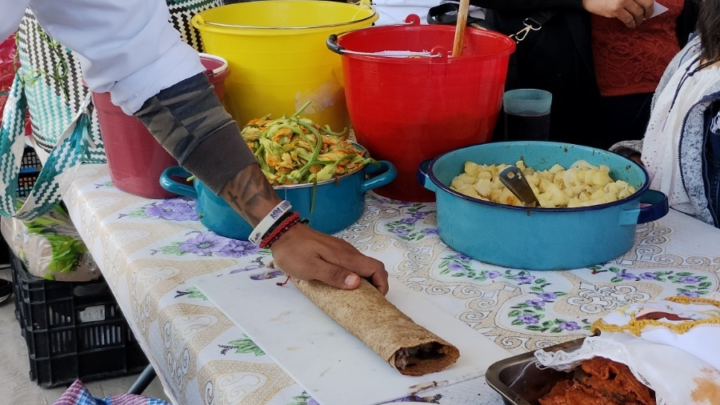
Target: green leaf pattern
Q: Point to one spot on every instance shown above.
(691, 284)
(245, 345)
(530, 314)
(192, 292)
(302, 399)
(172, 249)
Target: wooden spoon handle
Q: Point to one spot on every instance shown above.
(460, 28)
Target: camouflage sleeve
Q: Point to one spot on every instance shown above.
(190, 122)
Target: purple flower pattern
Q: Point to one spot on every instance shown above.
(267, 276)
(412, 226)
(173, 210)
(524, 279)
(176, 209)
(569, 326)
(208, 244)
(464, 258)
(693, 285)
(238, 248)
(527, 314)
(455, 266)
(255, 264)
(535, 303)
(547, 296)
(626, 276)
(530, 314)
(528, 319)
(204, 244)
(686, 293)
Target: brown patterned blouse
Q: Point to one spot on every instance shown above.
(632, 60)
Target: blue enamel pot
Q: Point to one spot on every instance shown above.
(539, 238)
(331, 206)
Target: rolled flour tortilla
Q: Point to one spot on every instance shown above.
(364, 312)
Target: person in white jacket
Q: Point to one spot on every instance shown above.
(129, 49)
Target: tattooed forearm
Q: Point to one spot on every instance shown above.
(250, 194)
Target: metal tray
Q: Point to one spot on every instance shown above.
(520, 382)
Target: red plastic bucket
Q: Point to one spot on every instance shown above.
(410, 109)
(135, 159)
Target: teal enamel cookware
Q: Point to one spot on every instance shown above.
(330, 206)
(535, 238)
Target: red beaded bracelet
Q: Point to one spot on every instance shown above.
(288, 223)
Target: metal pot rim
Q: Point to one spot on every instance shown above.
(625, 200)
(319, 183)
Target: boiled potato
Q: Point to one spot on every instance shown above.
(581, 185)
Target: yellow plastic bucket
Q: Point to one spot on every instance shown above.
(278, 58)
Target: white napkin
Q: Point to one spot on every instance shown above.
(673, 348)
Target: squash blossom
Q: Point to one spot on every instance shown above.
(295, 150)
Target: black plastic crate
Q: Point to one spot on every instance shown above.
(73, 330)
(26, 181)
(30, 161)
(4, 257)
(30, 167)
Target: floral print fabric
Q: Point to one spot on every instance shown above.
(152, 251)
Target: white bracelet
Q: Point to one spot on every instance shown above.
(270, 219)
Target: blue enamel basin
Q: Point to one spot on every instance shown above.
(539, 238)
(330, 206)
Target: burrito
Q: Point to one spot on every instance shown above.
(364, 312)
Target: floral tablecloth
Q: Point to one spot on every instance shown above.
(151, 251)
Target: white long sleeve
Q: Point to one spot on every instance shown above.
(126, 47)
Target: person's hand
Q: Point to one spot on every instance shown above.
(629, 12)
(306, 254)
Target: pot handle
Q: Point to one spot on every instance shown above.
(387, 174)
(333, 45)
(657, 208)
(173, 186)
(422, 175)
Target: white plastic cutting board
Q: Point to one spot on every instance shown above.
(333, 366)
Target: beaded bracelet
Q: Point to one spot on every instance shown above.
(275, 226)
(288, 223)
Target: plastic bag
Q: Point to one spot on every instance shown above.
(50, 247)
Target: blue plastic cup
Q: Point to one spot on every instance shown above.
(527, 114)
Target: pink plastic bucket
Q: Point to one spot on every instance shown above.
(217, 71)
(135, 159)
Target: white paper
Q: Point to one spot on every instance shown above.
(333, 366)
(658, 9)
